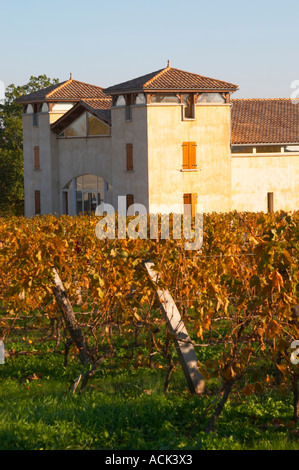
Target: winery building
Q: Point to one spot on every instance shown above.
(163, 140)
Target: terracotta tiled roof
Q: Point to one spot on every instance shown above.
(99, 107)
(171, 79)
(265, 121)
(70, 90)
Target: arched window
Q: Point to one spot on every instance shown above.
(44, 108)
(140, 99)
(120, 101)
(84, 194)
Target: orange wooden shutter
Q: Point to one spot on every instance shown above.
(36, 158)
(187, 198)
(192, 155)
(129, 151)
(37, 201)
(193, 204)
(189, 155)
(185, 155)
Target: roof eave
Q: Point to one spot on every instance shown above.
(250, 144)
(170, 90)
(48, 100)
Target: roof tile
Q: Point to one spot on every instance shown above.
(71, 90)
(265, 121)
(171, 79)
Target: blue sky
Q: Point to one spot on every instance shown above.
(253, 43)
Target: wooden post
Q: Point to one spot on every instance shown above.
(270, 203)
(69, 318)
(183, 343)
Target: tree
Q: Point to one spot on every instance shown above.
(11, 145)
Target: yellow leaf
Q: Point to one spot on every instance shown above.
(199, 332)
(207, 323)
(100, 293)
(277, 280)
(281, 368)
(228, 373)
(138, 318)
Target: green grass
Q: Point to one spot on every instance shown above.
(127, 410)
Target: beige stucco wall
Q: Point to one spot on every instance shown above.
(44, 179)
(211, 131)
(129, 132)
(80, 156)
(61, 160)
(254, 176)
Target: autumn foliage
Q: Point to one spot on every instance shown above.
(237, 294)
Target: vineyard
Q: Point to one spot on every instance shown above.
(238, 297)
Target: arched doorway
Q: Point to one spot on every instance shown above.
(83, 194)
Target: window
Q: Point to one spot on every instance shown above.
(130, 200)
(37, 202)
(129, 157)
(88, 191)
(210, 98)
(189, 156)
(140, 99)
(190, 202)
(96, 127)
(120, 101)
(165, 98)
(44, 108)
(36, 158)
(78, 128)
(86, 125)
(127, 101)
(188, 108)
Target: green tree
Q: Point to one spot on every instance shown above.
(11, 145)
